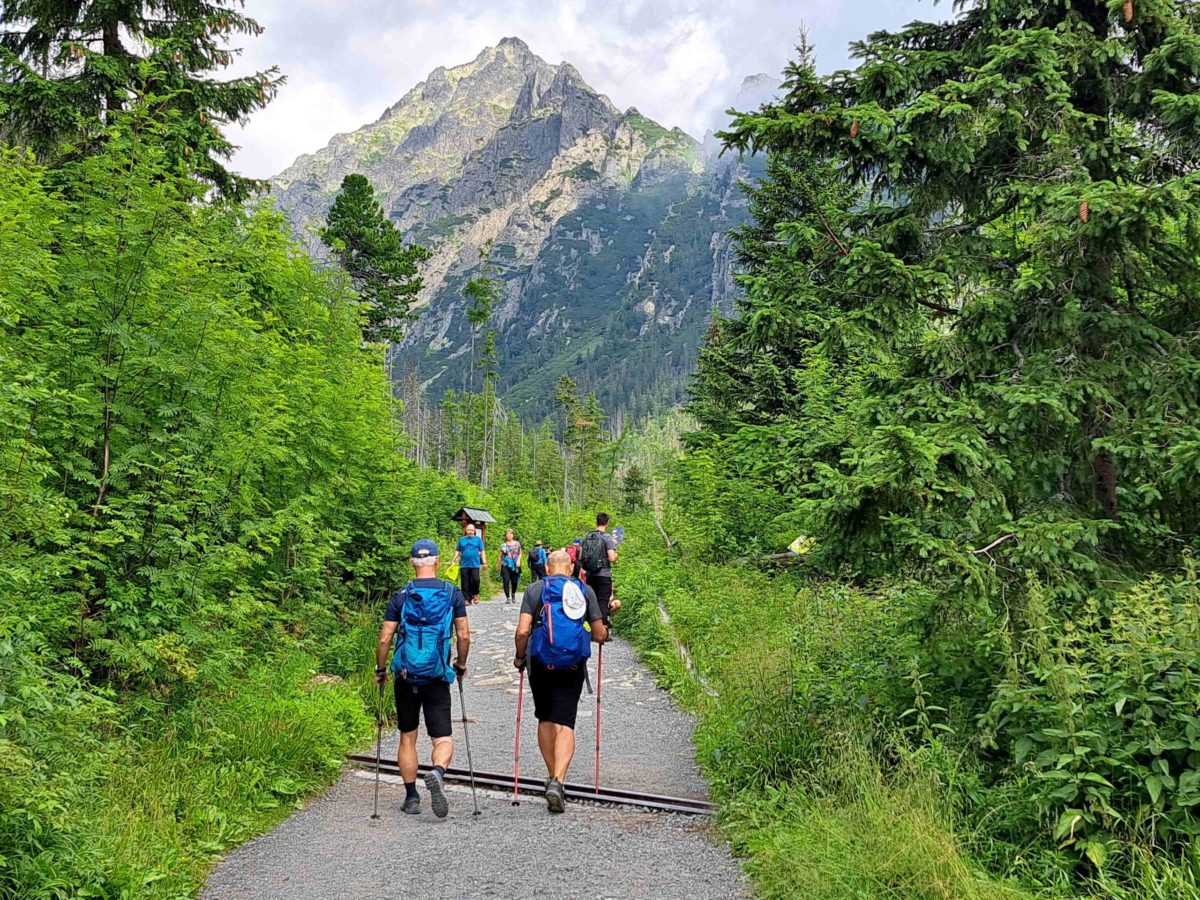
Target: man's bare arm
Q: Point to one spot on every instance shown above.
(462, 634)
(386, 633)
(524, 629)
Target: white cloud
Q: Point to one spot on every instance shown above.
(678, 61)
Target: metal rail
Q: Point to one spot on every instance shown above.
(586, 792)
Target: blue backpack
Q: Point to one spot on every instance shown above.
(558, 641)
(422, 651)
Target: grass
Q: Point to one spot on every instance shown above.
(874, 836)
(780, 668)
(146, 810)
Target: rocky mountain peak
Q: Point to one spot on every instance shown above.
(602, 225)
(761, 81)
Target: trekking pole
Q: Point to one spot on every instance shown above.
(517, 743)
(378, 747)
(599, 685)
(467, 737)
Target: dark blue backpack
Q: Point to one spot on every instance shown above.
(558, 641)
(422, 652)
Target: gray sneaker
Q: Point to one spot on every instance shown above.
(556, 797)
(437, 795)
(412, 805)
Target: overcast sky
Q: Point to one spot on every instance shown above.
(678, 61)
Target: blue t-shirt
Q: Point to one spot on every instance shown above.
(471, 551)
(396, 604)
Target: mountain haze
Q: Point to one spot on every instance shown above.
(606, 228)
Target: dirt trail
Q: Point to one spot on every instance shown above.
(332, 849)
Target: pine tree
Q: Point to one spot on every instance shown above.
(381, 266)
(1020, 269)
(633, 488)
(566, 398)
(67, 67)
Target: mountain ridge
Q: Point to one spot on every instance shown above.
(512, 166)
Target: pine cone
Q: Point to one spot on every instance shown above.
(854, 130)
(1084, 211)
(1127, 9)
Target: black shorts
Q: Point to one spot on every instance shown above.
(433, 698)
(602, 585)
(556, 692)
(469, 579)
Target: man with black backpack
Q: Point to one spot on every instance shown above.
(597, 553)
(421, 616)
(555, 644)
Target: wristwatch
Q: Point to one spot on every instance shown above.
(380, 670)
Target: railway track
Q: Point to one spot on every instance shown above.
(575, 791)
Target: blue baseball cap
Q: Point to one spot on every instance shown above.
(424, 549)
(578, 540)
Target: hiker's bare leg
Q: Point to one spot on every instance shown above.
(406, 755)
(443, 752)
(546, 737)
(564, 749)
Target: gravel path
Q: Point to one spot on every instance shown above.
(332, 848)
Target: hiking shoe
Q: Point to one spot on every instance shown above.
(556, 797)
(437, 795)
(412, 805)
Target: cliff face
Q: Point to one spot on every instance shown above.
(606, 229)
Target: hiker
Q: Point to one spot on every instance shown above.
(469, 556)
(572, 550)
(597, 553)
(510, 565)
(537, 562)
(424, 611)
(552, 641)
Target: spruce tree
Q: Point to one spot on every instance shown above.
(66, 68)
(382, 268)
(1020, 269)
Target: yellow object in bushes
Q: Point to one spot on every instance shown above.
(452, 573)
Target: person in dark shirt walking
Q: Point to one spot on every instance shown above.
(597, 553)
(423, 614)
(551, 631)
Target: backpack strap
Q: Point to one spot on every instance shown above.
(406, 595)
(541, 607)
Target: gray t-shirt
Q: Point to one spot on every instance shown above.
(610, 543)
(531, 602)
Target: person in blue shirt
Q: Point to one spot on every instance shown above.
(537, 562)
(470, 556)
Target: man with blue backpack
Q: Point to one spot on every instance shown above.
(553, 639)
(421, 616)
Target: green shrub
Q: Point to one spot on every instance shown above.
(1100, 715)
